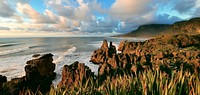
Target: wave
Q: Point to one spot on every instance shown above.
(7, 70)
(8, 44)
(62, 56)
(36, 46)
(13, 51)
(96, 44)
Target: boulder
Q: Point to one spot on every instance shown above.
(75, 75)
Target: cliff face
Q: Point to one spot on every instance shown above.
(191, 26)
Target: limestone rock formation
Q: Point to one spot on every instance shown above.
(166, 52)
(74, 75)
(100, 56)
(39, 76)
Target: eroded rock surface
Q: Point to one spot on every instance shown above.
(101, 55)
(75, 75)
(168, 52)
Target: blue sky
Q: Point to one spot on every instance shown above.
(38, 5)
(89, 17)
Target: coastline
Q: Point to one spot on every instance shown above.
(165, 54)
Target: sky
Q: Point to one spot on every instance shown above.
(24, 18)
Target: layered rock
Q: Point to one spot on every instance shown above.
(101, 55)
(75, 75)
(167, 50)
(39, 76)
(167, 53)
(110, 62)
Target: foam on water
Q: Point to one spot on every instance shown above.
(13, 50)
(62, 55)
(13, 67)
(96, 44)
(82, 57)
(7, 44)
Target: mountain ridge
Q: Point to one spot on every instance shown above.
(191, 26)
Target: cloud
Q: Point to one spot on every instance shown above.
(184, 6)
(76, 15)
(4, 28)
(6, 10)
(128, 9)
(197, 12)
(89, 16)
(197, 9)
(82, 15)
(74, 10)
(166, 19)
(22, 1)
(28, 11)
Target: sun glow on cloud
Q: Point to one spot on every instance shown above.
(35, 34)
(88, 17)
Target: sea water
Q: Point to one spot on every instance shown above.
(15, 52)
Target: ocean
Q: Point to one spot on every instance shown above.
(15, 52)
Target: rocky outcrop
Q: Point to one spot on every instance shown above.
(100, 56)
(110, 62)
(42, 64)
(39, 76)
(167, 50)
(75, 75)
(167, 53)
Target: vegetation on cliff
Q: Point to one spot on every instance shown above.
(191, 26)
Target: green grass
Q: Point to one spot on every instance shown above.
(146, 83)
